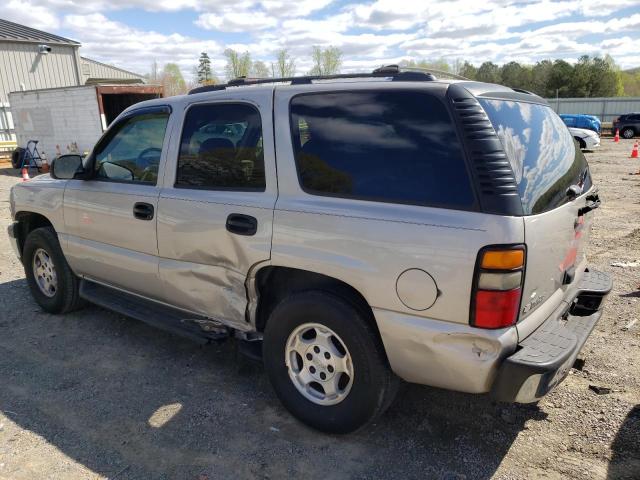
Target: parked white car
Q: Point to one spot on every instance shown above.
(587, 139)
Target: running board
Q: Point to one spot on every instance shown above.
(179, 322)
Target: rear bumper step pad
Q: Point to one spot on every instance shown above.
(544, 358)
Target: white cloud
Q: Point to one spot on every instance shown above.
(370, 33)
(27, 13)
(121, 45)
(236, 22)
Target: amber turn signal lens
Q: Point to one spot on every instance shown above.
(502, 259)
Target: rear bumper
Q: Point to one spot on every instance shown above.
(544, 358)
(12, 233)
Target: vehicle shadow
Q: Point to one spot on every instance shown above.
(124, 399)
(625, 458)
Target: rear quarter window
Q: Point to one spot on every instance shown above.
(387, 146)
(541, 151)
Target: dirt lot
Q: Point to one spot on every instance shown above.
(94, 395)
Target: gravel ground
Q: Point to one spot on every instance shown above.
(95, 395)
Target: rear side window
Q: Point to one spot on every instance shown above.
(221, 148)
(388, 146)
(541, 151)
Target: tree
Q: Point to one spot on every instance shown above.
(172, 80)
(327, 61)
(488, 72)
(238, 65)
(540, 74)
(284, 66)
(153, 76)
(204, 69)
(468, 71)
(630, 83)
(259, 69)
(514, 75)
(559, 79)
(438, 64)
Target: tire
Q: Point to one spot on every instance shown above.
(17, 156)
(65, 297)
(372, 386)
(581, 143)
(627, 133)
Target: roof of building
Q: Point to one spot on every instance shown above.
(112, 67)
(15, 32)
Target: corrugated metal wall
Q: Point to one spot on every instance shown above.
(23, 68)
(7, 132)
(607, 109)
(97, 70)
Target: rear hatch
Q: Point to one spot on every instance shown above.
(554, 185)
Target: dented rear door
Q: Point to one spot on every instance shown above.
(215, 213)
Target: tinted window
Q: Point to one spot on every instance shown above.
(391, 146)
(541, 151)
(634, 118)
(131, 151)
(221, 148)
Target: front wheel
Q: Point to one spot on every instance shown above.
(52, 283)
(326, 363)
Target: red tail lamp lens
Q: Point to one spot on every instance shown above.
(496, 309)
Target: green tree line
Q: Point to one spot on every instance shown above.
(588, 77)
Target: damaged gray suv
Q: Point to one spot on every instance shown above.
(351, 230)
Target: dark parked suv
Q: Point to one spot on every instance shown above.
(628, 125)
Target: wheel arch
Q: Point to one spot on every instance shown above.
(274, 283)
(28, 222)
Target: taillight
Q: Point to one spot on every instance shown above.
(497, 286)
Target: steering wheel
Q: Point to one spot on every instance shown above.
(149, 157)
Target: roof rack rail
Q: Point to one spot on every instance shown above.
(392, 71)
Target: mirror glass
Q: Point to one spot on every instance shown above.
(66, 166)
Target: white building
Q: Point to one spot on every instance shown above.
(33, 60)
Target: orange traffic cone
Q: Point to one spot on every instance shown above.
(616, 138)
(25, 174)
(634, 152)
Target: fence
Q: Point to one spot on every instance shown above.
(607, 109)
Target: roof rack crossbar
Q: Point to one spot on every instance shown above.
(392, 71)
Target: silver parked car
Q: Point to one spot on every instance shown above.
(352, 231)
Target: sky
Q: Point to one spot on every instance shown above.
(131, 34)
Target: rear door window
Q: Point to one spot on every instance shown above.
(221, 148)
(541, 151)
(387, 146)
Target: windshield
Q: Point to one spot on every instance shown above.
(542, 153)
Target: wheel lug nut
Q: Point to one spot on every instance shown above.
(316, 349)
(309, 356)
(327, 355)
(330, 368)
(312, 369)
(323, 376)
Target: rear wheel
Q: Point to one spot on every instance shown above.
(627, 132)
(325, 362)
(52, 283)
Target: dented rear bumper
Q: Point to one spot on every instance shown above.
(444, 354)
(544, 358)
(467, 359)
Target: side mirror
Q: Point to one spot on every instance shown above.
(65, 167)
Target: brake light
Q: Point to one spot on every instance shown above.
(499, 275)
